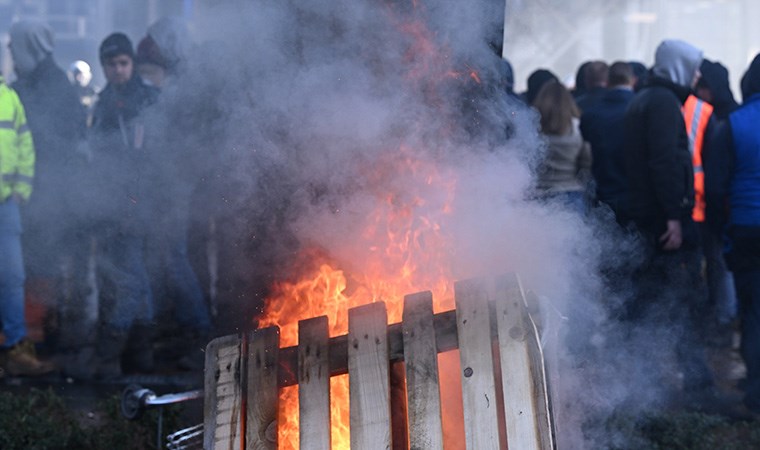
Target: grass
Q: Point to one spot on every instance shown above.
(680, 431)
(40, 420)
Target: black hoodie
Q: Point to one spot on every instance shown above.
(751, 79)
(715, 78)
(658, 161)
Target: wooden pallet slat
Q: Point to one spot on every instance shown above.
(314, 383)
(262, 397)
(394, 381)
(523, 375)
(223, 402)
(420, 357)
(478, 382)
(369, 377)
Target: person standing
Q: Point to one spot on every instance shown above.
(56, 243)
(603, 126)
(671, 294)
(732, 189)
(163, 55)
(595, 78)
(120, 160)
(713, 88)
(17, 353)
(566, 167)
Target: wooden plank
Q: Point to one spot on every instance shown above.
(478, 385)
(526, 406)
(314, 383)
(445, 338)
(369, 377)
(223, 402)
(262, 394)
(421, 361)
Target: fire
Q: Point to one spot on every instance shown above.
(408, 253)
(402, 246)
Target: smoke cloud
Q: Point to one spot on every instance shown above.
(296, 116)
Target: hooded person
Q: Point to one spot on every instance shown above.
(54, 235)
(173, 41)
(670, 292)
(150, 63)
(733, 193)
(704, 112)
(177, 290)
(714, 88)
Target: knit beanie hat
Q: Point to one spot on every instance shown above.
(114, 45)
(149, 53)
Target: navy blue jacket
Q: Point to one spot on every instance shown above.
(603, 126)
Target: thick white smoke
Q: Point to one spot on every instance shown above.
(301, 101)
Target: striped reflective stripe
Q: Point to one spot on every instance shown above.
(24, 179)
(698, 169)
(17, 177)
(7, 125)
(23, 129)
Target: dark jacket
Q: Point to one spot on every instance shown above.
(658, 161)
(725, 184)
(58, 124)
(603, 126)
(119, 148)
(715, 78)
(590, 98)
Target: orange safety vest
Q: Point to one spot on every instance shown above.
(697, 113)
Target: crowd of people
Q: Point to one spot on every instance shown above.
(667, 151)
(86, 178)
(676, 160)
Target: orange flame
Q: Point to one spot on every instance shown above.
(402, 249)
(409, 253)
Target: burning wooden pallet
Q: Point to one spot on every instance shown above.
(244, 374)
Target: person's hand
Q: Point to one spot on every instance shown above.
(672, 238)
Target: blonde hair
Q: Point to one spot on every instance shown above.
(557, 108)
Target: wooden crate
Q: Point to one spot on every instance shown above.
(244, 373)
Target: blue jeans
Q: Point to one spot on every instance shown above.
(748, 291)
(126, 296)
(11, 275)
(720, 281)
(172, 275)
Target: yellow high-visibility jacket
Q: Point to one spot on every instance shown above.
(16, 147)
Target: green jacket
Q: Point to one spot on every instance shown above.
(16, 147)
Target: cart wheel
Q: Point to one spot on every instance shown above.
(133, 401)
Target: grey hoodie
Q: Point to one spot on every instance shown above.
(31, 42)
(677, 61)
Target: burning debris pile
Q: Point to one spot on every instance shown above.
(372, 138)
